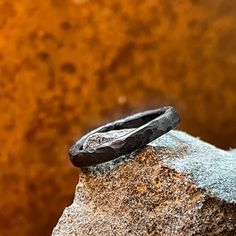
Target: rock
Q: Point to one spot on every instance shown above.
(177, 185)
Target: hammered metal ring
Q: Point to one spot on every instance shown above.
(147, 126)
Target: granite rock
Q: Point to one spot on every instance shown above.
(177, 185)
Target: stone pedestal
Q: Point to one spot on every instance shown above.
(177, 185)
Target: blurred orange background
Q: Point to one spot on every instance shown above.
(67, 66)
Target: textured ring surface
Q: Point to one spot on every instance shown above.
(148, 125)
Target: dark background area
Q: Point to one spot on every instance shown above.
(67, 66)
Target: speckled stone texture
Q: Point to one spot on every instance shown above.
(178, 185)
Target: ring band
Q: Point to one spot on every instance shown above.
(148, 125)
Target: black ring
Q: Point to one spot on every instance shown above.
(148, 125)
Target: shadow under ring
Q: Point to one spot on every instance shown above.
(147, 126)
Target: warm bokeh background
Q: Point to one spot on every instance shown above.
(69, 65)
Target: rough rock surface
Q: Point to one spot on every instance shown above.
(177, 185)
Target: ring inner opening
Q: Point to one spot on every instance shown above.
(137, 122)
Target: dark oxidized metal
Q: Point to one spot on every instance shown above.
(148, 125)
